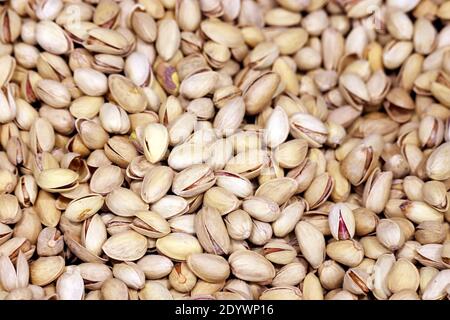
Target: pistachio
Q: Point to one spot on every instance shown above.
(341, 221)
(251, 266)
(208, 267)
(126, 246)
(178, 246)
(311, 242)
(211, 231)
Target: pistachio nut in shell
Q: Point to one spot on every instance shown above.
(150, 224)
(341, 221)
(178, 246)
(125, 246)
(211, 231)
(82, 208)
(251, 266)
(311, 242)
(209, 267)
(57, 180)
(46, 269)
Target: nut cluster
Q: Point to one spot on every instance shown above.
(225, 149)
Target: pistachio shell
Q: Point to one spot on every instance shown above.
(126, 246)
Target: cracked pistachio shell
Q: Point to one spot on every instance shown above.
(229, 117)
(259, 93)
(57, 180)
(199, 84)
(70, 285)
(262, 209)
(154, 290)
(8, 64)
(156, 183)
(187, 154)
(106, 14)
(418, 211)
(221, 199)
(359, 163)
(403, 276)
(222, 33)
(308, 127)
(291, 274)
(276, 128)
(13, 277)
(91, 82)
(354, 90)
(319, 190)
(381, 271)
(278, 190)
(437, 165)
(248, 163)
(83, 208)
(114, 119)
(291, 154)
(341, 221)
(235, 183)
(251, 266)
(181, 128)
(80, 251)
(430, 255)
(125, 246)
(239, 224)
(182, 278)
(211, 231)
(331, 274)
(193, 180)
(184, 223)
(357, 281)
(178, 246)
(52, 38)
(46, 208)
(124, 202)
(170, 206)
(347, 252)
(311, 242)
(94, 274)
(94, 234)
(130, 274)
(150, 224)
(435, 194)
(114, 289)
(12, 246)
(129, 96)
(376, 190)
(155, 266)
(390, 234)
(289, 216)
(281, 293)
(53, 93)
(10, 211)
(104, 40)
(105, 179)
(279, 252)
(5, 233)
(436, 288)
(209, 267)
(155, 142)
(261, 233)
(45, 270)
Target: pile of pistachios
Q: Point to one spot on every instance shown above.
(224, 149)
